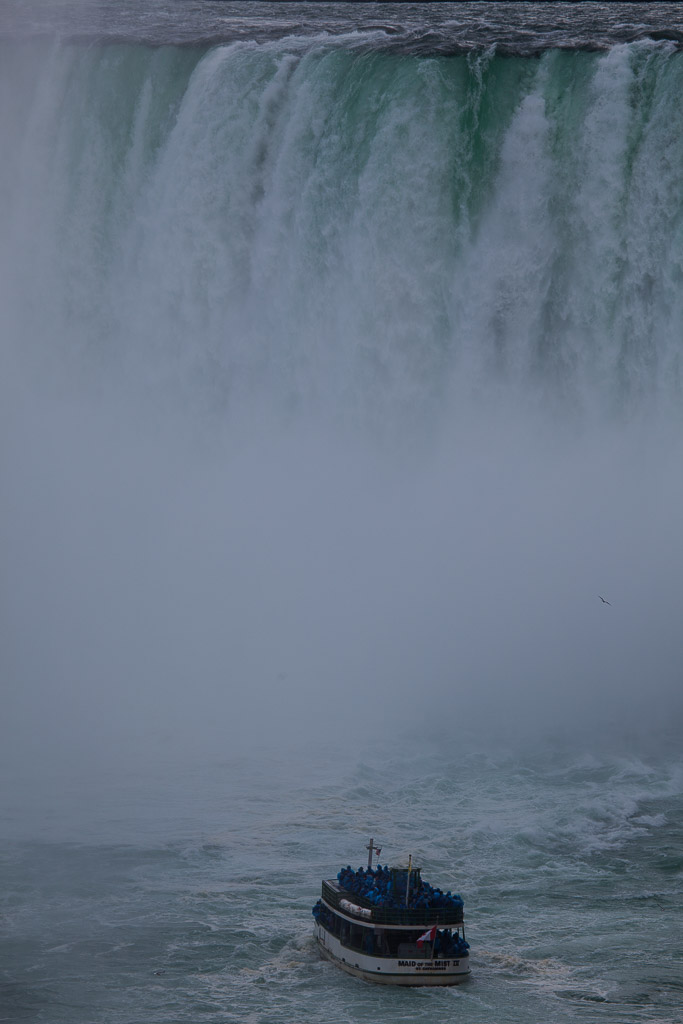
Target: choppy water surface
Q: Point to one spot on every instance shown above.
(341, 374)
(187, 896)
(446, 28)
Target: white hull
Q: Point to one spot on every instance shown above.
(387, 971)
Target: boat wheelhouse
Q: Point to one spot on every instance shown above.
(388, 926)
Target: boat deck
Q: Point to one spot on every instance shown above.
(333, 893)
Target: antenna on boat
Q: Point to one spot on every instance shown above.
(410, 868)
(370, 847)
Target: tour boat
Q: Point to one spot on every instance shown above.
(388, 926)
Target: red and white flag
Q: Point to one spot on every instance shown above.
(428, 936)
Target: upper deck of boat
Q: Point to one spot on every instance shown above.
(333, 893)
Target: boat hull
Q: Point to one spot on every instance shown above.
(389, 971)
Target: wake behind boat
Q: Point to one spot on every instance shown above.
(389, 926)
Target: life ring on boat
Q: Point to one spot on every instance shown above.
(352, 908)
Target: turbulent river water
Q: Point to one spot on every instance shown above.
(340, 378)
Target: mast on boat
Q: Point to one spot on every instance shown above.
(410, 868)
(370, 847)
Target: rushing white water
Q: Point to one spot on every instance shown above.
(338, 379)
(359, 371)
(355, 230)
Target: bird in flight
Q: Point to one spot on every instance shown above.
(603, 600)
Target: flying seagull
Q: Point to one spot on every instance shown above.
(603, 600)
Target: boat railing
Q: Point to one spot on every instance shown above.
(333, 893)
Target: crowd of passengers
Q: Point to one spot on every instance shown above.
(377, 886)
(447, 943)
